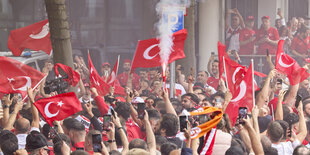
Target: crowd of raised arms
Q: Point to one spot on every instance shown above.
(279, 123)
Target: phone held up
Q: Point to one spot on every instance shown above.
(242, 114)
(106, 122)
(183, 122)
(141, 108)
(97, 139)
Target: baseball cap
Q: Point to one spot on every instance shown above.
(265, 17)
(137, 100)
(106, 64)
(250, 18)
(35, 140)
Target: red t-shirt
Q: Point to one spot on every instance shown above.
(123, 77)
(272, 34)
(133, 131)
(246, 34)
(300, 45)
(213, 82)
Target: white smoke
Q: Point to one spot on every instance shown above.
(163, 29)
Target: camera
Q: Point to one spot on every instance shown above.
(109, 99)
(59, 85)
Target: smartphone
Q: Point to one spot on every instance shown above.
(279, 81)
(106, 122)
(112, 112)
(267, 51)
(183, 122)
(243, 111)
(290, 131)
(141, 108)
(298, 99)
(97, 139)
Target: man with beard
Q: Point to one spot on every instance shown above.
(123, 77)
(266, 37)
(306, 107)
(189, 101)
(213, 80)
(300, 43)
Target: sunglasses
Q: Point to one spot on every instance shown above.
(47, 150)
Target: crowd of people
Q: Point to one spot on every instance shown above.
(244, 39)
(279, 123)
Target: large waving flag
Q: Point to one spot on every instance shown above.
(96, 81)
(243, 96)
(58, 107)
(35, 37)
(222, 54)
(147, 53)
(288, 66)
(15, 76)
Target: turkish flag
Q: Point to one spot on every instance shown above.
(288, 66)
(15, 76)
(147, 53)
(35, 37)
(58, 107)
(95, 79)
(235, 74)
(118, 89)
(73, 76)
(222, 54)
(243, 96)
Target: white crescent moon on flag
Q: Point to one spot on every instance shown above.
(47, 112)
(146, 54)
(241, 92)
(44, 32)
(23, 88)
(112, 77)
(234, 74)
(281, 63)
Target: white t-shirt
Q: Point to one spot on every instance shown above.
(22, 138)
(178, 87)
(233, 34)
(286, 148)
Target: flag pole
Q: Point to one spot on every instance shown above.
(225, 73)
(253, 89)
(133, 59)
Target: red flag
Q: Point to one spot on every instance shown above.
(244, 97)
(147, 53)
(288, 66)
(112, 77)
(222, 53)
(15, 76)
(235, 74)
(58, 107)
(119, 90)
(96, 81)
(73, 76)
(35, 37)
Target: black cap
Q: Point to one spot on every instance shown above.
(35, 140)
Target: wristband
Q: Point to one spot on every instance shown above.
(119, 128)
(5, 106)
(111, 141)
